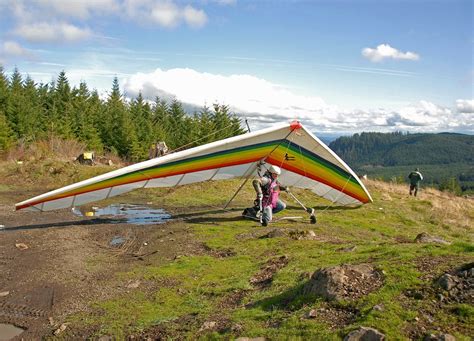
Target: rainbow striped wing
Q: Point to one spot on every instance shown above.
(305, 160)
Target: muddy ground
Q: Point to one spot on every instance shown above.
(46, 268)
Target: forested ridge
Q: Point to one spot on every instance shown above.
(447, 159)
(31, 112)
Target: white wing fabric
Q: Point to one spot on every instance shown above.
(306, 162)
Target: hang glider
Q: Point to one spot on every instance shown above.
(306, 162)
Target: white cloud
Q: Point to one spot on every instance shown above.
(246, 93)
(385, 51)
(465, 106)
(12, 48)
(52, 32)
(265, 102)
(422, 114)
(48, 20)
(78, 8)
(193, 17)
(166, 14)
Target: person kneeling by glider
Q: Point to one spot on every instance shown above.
(267, 203)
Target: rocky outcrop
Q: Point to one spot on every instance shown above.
(365, 334)
(426, 238)
(344, 282)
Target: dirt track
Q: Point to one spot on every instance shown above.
(48, 268)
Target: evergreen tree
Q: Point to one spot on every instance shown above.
(6, 134)
(63, 106)
(83, 115)
(58, 105)
(29, 112)
(140, 114)
(160, 120)
(205, 125)
(15, 99)
(225, 124)
(178, 130)
(4, 91)
(117, 124)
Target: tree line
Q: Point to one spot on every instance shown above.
(395, 149)
(30, 112)
(446, 159)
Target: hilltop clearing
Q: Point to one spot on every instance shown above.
(402, 266)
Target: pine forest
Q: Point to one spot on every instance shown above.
(32, 112)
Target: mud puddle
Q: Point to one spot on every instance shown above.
(9, 331)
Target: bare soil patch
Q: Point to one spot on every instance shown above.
(69, 263)
(264, 277)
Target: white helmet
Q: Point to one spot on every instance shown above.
(274, 170)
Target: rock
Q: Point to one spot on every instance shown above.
(133, 285)
(417, 295)
(342, 282)
(4, 293)
(446, 282)
(61, 329)
(21, 246)
(379, 307)
(439, 337)
(208, 325)
(428, 318)
(302, 235)
(365, 334)
(236, 328)
(275, 233)
(466, 272)
(312, 314)
(426, 238)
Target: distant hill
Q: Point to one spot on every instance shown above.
(387, 155)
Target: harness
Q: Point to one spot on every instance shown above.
(270, 193)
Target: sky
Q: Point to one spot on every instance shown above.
(338, 66)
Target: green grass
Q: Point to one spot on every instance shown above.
(197, 285)
(278, 311)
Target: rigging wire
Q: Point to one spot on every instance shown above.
(193, 142)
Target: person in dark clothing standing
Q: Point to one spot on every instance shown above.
(415, 179)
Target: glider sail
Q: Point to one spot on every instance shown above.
(306, 162)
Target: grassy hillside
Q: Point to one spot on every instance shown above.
(387, 156)
(214, 291)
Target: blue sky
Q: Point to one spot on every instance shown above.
(339, 66)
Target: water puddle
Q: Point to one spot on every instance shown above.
(126, 213)
(117, 241)
(9, 331)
